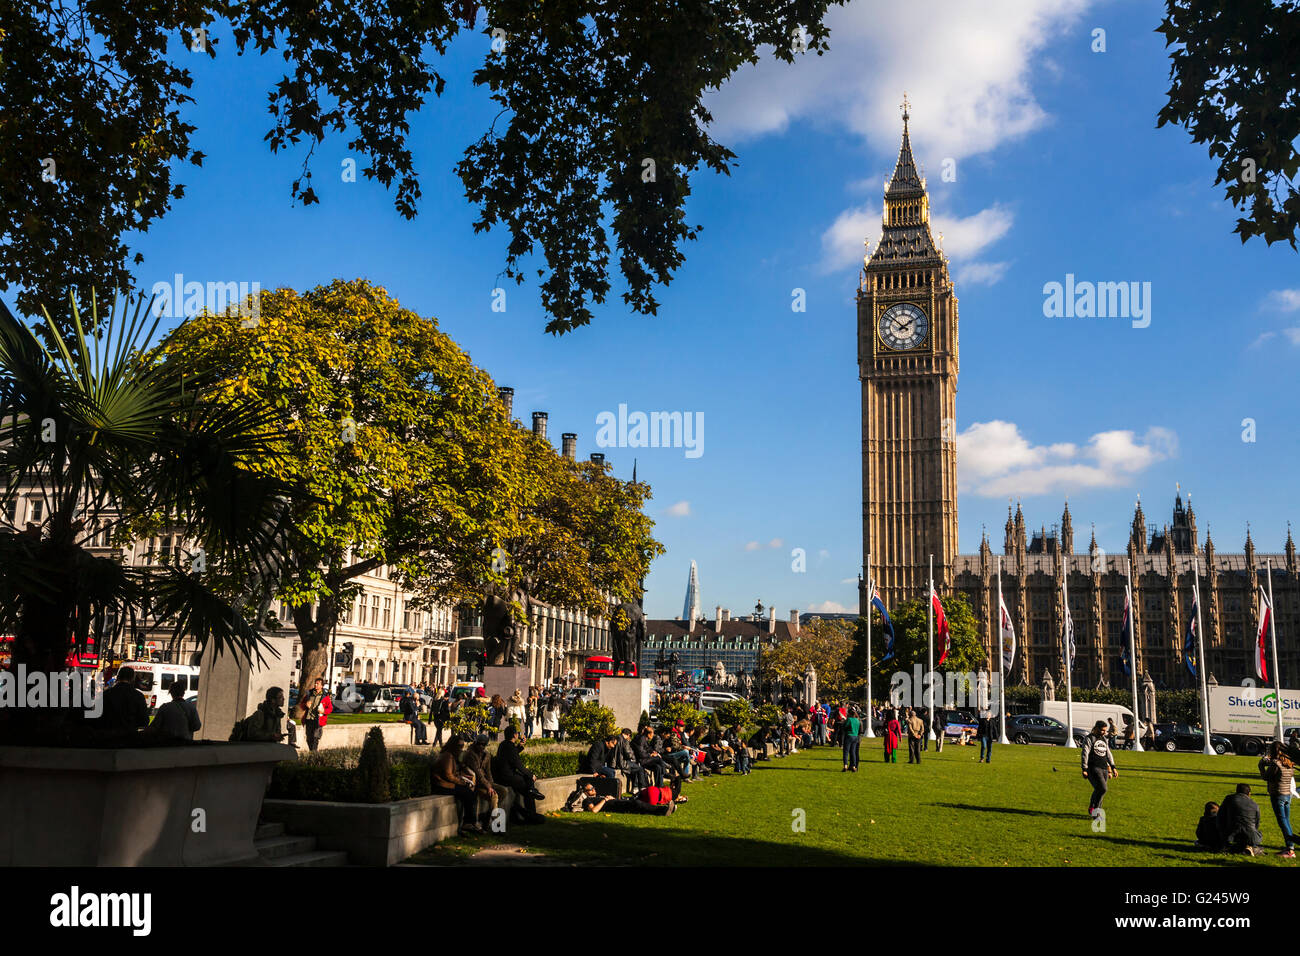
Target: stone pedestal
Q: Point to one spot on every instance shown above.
(230, 687)
(627, 697)
(505, 680)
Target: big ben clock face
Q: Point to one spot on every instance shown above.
(903, 327)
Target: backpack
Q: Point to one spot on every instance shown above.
(240, 730)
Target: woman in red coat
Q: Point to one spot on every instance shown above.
(892, 734)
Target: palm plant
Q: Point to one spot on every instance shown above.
(113, 437)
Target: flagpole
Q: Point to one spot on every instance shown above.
(1132, 655)
(1272, 628)
(1200, 659)
(1002, 666)
(871, 590)
(929, 617)
(1066, 639)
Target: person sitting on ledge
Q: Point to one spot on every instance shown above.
(508, 770)
(410, 708)
(450, 780)
(601, 756)
(625, 759)
(476, 761)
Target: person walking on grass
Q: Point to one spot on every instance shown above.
(852, 739)
(984, 731)
(1098, 765)
(915, 733)
(940, 724)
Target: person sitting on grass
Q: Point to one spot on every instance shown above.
(1207, 829)
(1239, 822)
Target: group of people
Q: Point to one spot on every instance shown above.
(466, 771)
(535, 714)
(1233, 825)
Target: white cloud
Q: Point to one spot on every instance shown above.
(679, 510)
(966, 99)
(963, 237)
(775, 543)
(831, 607)
(848, 580)
(994, 459)
(982, 273)
(752, 546)
(1283, 300)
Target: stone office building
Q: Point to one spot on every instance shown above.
(696, 644)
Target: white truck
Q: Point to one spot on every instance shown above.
(1248, 715)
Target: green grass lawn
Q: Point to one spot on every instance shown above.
(1027, 808)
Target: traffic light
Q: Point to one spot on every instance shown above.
(344, 657)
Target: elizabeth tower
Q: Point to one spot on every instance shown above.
(907, 363)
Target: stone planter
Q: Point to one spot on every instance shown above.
(134, 807)
(381, 834)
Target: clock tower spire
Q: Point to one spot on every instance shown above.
(907, 366)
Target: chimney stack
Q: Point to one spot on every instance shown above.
(717, 611)
(794, 621)
(507, 396)
(726, 615)
(771, 619)
(569, 445)
(539, 424)
(598, 457)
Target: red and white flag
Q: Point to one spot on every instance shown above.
(1265, 618)
(940, 623)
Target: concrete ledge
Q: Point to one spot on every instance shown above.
(133, 807)
(381, 834)
(336, 736)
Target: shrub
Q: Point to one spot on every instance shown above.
(469, 719)
(588, 721)
(372, 769)
(551, 763)
(642, 722)
(733, 712)
(768, 715)
(688, 715)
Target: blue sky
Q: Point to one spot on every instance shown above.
(1059, 170)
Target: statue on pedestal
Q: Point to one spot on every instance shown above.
(626, 636)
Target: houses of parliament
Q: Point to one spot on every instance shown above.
(908, 366)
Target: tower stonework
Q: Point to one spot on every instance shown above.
(907, 365)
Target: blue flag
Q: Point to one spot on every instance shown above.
(1189, 642)
(879, 605)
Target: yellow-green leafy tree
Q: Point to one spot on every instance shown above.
(825, 644)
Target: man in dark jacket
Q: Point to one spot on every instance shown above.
(1239, 822)
(410, 707)
(601, 756)
(124, 707)
(940, 724)
(625, 759)
(646, 749)
(508, 770)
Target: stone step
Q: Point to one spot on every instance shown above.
(273, 848)
(312, 858)
(266, 831)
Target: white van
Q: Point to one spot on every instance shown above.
(1085, 715)
(155, 681)
(710, 699)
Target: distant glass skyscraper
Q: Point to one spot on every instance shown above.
(692, 595)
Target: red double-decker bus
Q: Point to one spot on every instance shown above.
(88, 659)
(598, 667)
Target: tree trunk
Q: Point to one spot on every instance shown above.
(315, 639)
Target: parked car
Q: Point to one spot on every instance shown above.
(1173, 737)
(1040, 729)
(581, 695)
(959, 720)
(384, 701)
(710, 699)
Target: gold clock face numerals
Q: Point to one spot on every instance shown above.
(903, 327)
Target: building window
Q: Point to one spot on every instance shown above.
(35, 510)
(388, 612)
(374, 614)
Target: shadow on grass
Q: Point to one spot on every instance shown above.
(1016, 811)
(1187, 851)
(594, 842)
(1216, 774)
